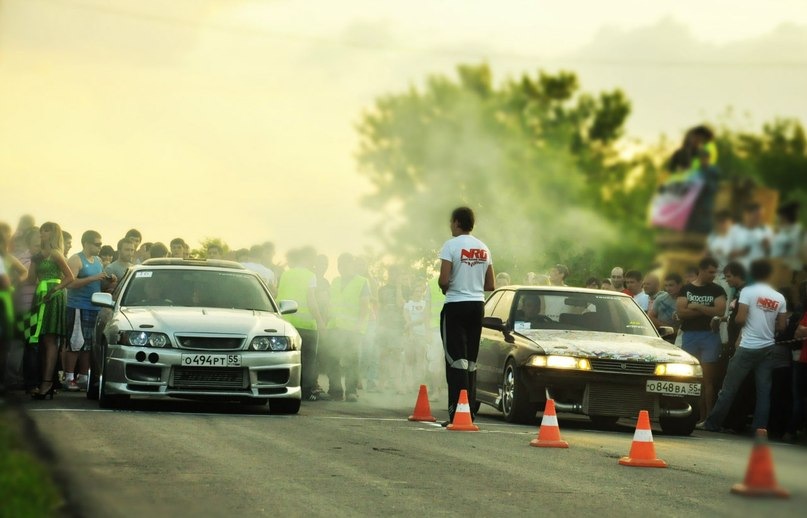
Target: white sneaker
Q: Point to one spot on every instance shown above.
(81, 381)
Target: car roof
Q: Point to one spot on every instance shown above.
(175, 261)
(562, 289)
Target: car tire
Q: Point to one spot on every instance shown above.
(516, 405)
(284, 406)
(604, 421)
(106, 400)
(92, 386)
(678, 425)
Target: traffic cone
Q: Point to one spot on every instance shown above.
(759, 477)
(642, 451)
(462, 417)
(549, 432)
(423, 411)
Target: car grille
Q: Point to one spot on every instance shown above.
(621, 400)
(626, 367)
(210, 343)
(216, 378)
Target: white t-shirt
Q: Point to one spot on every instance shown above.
(470, 259)
(751, 239)
(267, 274)
(764, 305)
(720, 247)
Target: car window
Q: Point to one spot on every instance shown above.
(503, 306)
(490, 305)
(196, 288)
(580, 312)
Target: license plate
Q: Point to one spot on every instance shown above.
(674, 388)
(211, 360)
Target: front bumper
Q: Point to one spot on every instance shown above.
(155, 373)
(607, 394)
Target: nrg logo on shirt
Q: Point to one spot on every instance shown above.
(766, 304)
(473, 256)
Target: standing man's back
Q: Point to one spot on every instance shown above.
(466, 273)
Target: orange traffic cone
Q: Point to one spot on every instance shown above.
(642, 451)
(462, 417)
(423, 411)
(759, 478)
(549, 432)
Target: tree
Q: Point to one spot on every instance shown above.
(533, 156)
(201, 252)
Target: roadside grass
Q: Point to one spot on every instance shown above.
(26, 487)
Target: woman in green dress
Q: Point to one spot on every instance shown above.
(50, 271)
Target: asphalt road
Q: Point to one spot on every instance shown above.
(180, 458)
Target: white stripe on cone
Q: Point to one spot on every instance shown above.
(643, 436)
(549, 420)
(464, 408)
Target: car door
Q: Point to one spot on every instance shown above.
(492, 346)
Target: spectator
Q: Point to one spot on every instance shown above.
(752, 239)
(697, 304)
(735, 275)
(214, 251)
(502, 279)
(68, 242)
(608, 285)
(178, 248)
(719, 244)
(593, 283)
(557, 275)
(690, 274)
(789, 237)
(135, 236)
(143, 252)
(797, 416)
(700, 220)
(107, 255)
(124, 261)
(158, 251)
(617, 278)
(250, 262)
(633, 287)
(662, 311)
(761, 313)
(650, 286)
(24, 226)
(391, 325)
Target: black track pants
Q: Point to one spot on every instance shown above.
(461, 329)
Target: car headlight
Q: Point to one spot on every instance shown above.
(144, 339)
(678, 369)
(271, 343)
(560, 362)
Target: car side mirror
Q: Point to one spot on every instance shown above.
(102, 299)
(666, 331)
(495, 323)
(287, 307)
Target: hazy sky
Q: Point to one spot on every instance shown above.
(233, 119)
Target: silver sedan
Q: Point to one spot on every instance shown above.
(195, 330)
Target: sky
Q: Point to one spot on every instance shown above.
(236, 119)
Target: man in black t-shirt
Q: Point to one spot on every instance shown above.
(697, 304)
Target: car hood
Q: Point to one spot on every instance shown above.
(607, 346)
(205, 320)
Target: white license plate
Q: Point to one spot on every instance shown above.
(674, 388)
(211, 360)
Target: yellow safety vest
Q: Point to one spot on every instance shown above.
(294, 286)
(346, 304)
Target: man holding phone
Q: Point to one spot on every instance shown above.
(89, 277)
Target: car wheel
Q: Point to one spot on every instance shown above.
(92, 386)
(604, 421)
(516, 405)
(284, 406)
(678, 425)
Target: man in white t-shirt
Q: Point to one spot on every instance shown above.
(761, 313)
(751, 240)
(466, 273)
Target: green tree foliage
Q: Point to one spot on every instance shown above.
(534, 156)
(201, 252)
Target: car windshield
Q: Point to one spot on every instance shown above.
(603, 313)
(196, 288)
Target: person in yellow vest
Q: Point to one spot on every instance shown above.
(349, 313)
(299, 283)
